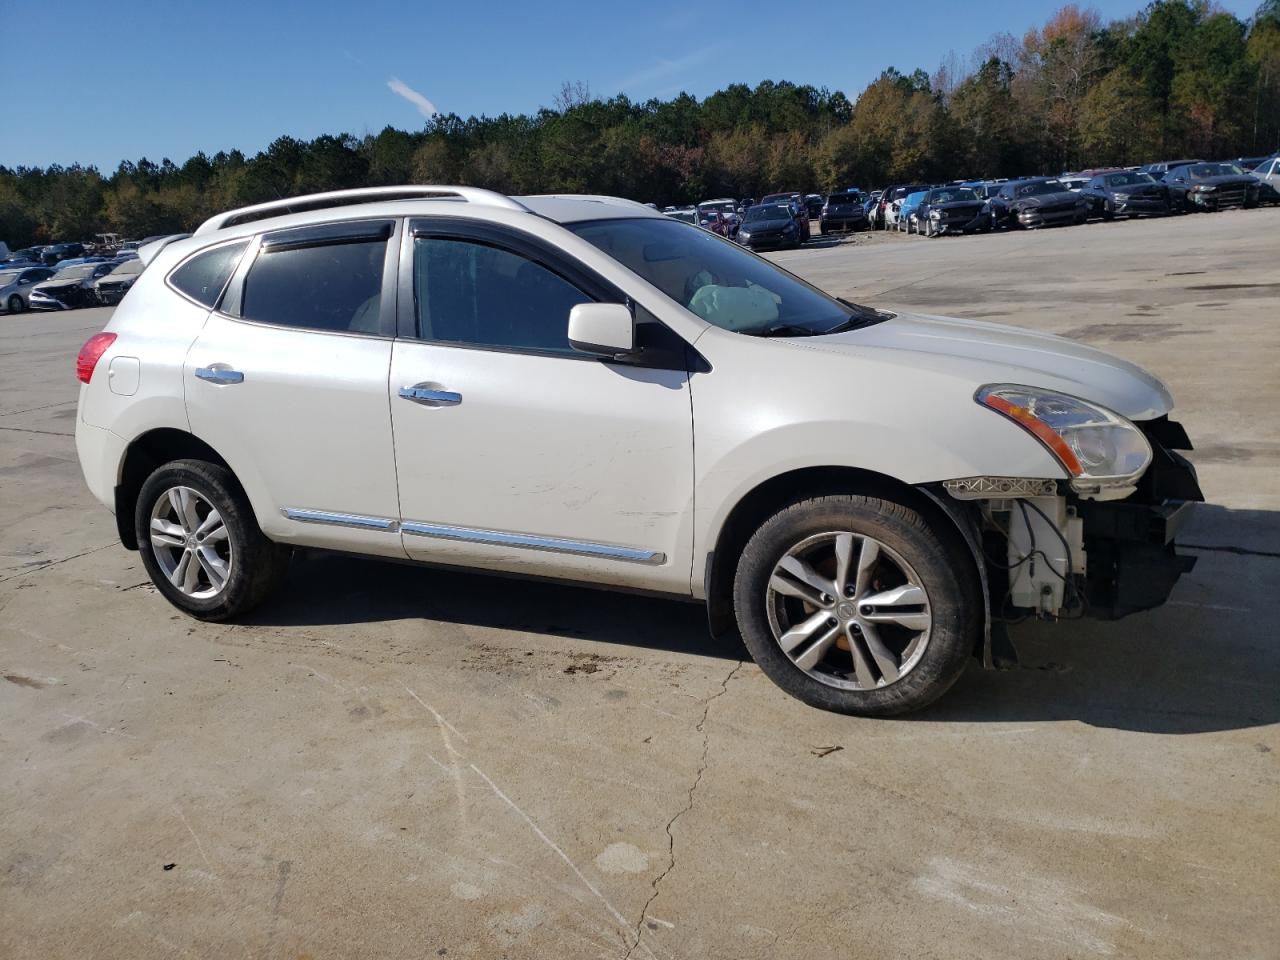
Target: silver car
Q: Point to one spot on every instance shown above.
(1268, 171)
(16, 285)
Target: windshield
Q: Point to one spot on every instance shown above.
(960, 195)
(772, 212)
(722, 206)
(1203, 171)
(1040, 188)
(78, 272)
(688, 216)
(1127, 179)
(719, 281)
(843, 198)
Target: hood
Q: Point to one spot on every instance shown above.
(51, 285)
(995, 353)
(767, 226)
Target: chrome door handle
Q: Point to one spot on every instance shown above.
(219, 375)
(430, 395)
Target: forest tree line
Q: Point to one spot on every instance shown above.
(1182, 78)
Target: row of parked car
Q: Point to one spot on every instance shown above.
(932, 210)
(63, 276)
(1170, 187)
(777, 219)
(76, 282)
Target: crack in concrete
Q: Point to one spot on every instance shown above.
(697, 779)
(46, 564)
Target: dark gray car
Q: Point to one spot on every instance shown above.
(1038, 202)
(1211, 186)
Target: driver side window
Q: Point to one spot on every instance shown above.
(479, 295)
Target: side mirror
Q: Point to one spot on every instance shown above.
(602, 328)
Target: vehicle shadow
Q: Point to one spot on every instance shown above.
(1205, 661)
(331, 589)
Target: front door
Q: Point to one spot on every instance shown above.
(514, 451)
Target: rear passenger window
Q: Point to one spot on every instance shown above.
(328, 284)
(475, 294)
(203, 276)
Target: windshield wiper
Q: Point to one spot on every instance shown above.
(862, 317)
(789, 330)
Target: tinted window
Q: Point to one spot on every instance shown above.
(1040, 188)
(775, 212)
(335, 286)
(203, 276)
(471, 293)
(957, 195)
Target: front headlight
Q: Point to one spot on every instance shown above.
(744, 233)
(935, 214)
(1098, 448)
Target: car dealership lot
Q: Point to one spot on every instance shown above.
(395, 761)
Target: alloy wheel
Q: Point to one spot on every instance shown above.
(848, 610)
(190, 542)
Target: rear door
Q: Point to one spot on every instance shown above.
(288, 381)
(516, 452)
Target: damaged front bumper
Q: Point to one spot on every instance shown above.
(1132, 560)
(1042, 550)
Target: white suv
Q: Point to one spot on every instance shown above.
(582, 388)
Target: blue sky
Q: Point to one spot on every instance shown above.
(101, 82)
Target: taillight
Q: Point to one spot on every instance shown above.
(91, 353)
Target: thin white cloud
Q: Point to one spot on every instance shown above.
(664, 68)
(402, 89)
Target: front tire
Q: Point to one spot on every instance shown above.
(855, 604)
(201, 544)
(15, 304)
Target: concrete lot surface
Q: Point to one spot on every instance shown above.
(394, 762)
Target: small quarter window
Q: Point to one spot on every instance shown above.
(203, 276)
(334, 285)
(475, 294)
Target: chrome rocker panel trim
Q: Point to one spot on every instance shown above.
(341, 519)
(551, 544)
(442, 531)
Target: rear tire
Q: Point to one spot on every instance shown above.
(201, 544)
(888, 664)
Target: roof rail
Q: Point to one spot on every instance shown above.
(594, 197)
(339, 198)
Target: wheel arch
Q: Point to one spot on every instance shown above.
(146, 452)
(792, 486)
